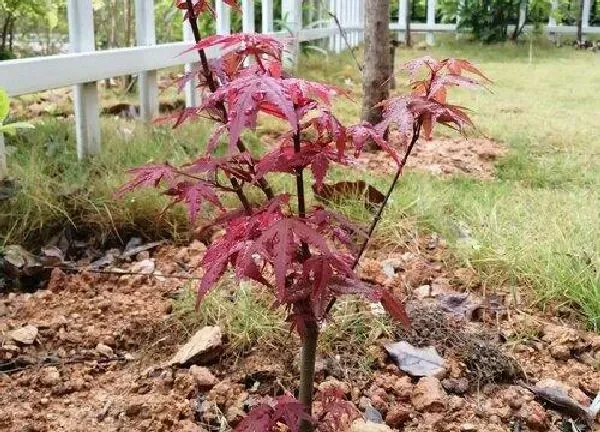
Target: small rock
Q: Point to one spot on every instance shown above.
(429, 395)
(371, 415)
(415, 361)
(205, 380)
(234, 415)
(398, 415)
(24, 335)
(203, 347)
(50, 376)
(142, 256)
(423, 291)
(534, 415)
(362, 426)
(456, 385)
(468, 427)
(560, 352)
(144, 267)
(104, 350)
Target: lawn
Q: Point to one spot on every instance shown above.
(535, 227)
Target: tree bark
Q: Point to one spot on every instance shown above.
(377, 59)
(7, 21)
(307, 371)
(407, 35)
(11, 34)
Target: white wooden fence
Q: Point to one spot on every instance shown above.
(84, 66)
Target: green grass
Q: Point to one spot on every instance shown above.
(54, 190)
(535, 227)
(537, 224)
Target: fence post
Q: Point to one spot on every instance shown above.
(190, 90)
(339, 41)
(248, 16)
(267, 16)
(585, 18)
(291, 13)
(223, 11)
(430, 37)
(331, 9)
(146, 35)
(402, 10)
(552, 20)
(85, 96)
(2, 157)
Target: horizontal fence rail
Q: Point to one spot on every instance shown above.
(84, 67)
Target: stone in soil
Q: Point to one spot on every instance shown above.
(203, 347)
(24, 335)
(429, 395)
(362, 426)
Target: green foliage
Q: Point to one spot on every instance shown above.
(488, 20)
(11, 128)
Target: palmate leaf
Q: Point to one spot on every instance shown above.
(150, 175)
(243, 45)
(193, 194)
(328, 129)
(285, 159)
(201, 6)
(362, 133)
(285, 410)
(246, 96)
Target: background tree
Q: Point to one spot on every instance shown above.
(377, 59)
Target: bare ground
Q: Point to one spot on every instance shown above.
(83, 386)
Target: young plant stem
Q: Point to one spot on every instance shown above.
(377, 218)
(300, 190)
(212, 86)
(311, 332)
(363, 248)
(307, 371)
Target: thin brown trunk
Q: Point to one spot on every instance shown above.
(11, 34)
(377, 59)
(307, 371)
(407, 35)
(127, 15)
(7, 21)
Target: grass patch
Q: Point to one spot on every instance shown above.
(536, 225)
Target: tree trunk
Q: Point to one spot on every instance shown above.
(377, 59)
(307, 371)
(7, 21)
(11, 34)
(580, 23)
(407, 35)
(127, 16)
(521, 18)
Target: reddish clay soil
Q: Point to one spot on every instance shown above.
(443, 156)
(105, 338)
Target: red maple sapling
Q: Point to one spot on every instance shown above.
(306, 255)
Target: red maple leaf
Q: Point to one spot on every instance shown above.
(201, 6)
(246, 97)
(362, 133)
(285, 410)
(286, 159)
(150, 175)
(193, 194)
(243, 45)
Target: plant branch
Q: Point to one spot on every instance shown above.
(300, 189)
(345, 38)
(212, 85)
(363, 248)
(377, 218)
